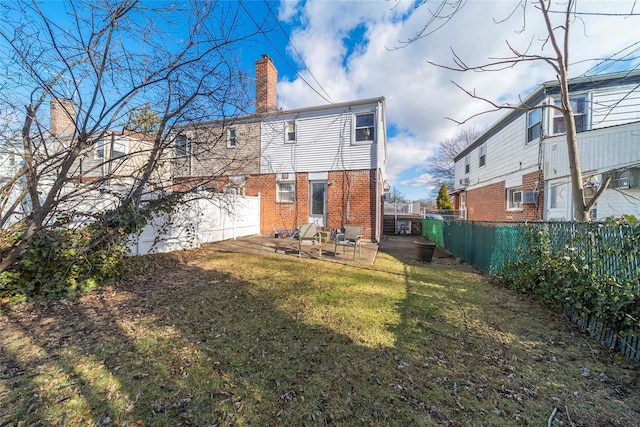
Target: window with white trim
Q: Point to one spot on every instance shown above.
(118, 150)
(467, 164)
(364, 128)
(514, 198)
(290, 132)
(98, 153)
(534, 124)
(232, 139)
(285, 188)
(483, 155)
(180, 143)
(579, 107)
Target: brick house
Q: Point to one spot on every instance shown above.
(518, 168)
(322, 164)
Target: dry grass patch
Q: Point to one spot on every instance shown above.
(237, 339)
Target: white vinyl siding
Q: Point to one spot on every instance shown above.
(510, 155)
(599, 149)
(323, 143)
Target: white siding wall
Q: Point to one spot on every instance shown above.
(600, 150)
(619, 202)
(615, 105)
(508, 158)
(323, 142)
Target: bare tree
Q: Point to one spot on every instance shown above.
(557, 38)
(95, 63)
(441, 164)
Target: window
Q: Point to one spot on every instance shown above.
(579, 106)
(181, 145)
(483, 155)
(558, 196)
(232, 140)
(118, 150)
(621, 180)
(514, 198)
(285, 188)
(534, 124)
(98, 154)
(467, 164)
(364, 128)
(290, 133)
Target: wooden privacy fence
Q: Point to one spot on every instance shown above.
(203, 220)
(611, 250)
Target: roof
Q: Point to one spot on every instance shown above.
(276, 113)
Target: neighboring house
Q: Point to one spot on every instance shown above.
(220, 154)
(518, 168)
(322, 164)
(114, 160)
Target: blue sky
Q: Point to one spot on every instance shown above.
(344, 50)
(349, 50)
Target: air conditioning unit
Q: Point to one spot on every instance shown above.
(530, 197)
(286, 176)
(464, 181)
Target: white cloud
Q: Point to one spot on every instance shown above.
(348, 46)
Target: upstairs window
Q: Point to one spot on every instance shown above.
(534, 124)
(467, 164)
(181, 145)
(364, 128)
(98, 153)
(232, 140)
(290, 133)
(483, 155)
(579, 106)
(118, 150)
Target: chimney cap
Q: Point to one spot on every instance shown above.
(265, 56)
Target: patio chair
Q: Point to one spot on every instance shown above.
(350, 238)
(307, 232)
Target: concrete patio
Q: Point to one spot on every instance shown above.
(401, 247)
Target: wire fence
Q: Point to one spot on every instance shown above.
(612, 250)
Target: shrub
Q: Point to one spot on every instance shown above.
(585, 275)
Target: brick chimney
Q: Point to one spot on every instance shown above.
(266, 85)
(62, 116)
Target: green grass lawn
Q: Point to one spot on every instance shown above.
(237, 339)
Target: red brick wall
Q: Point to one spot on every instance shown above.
(351, 199)
(489, 203)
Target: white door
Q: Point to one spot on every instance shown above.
(318, 203)
(558, 201)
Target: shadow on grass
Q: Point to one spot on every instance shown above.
(238, 339)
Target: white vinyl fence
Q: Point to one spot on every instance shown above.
(197, 222)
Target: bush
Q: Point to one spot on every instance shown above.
(576, 278)
(63, 262)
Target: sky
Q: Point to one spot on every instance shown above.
(344, 50)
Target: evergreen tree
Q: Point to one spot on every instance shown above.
(444, 201)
